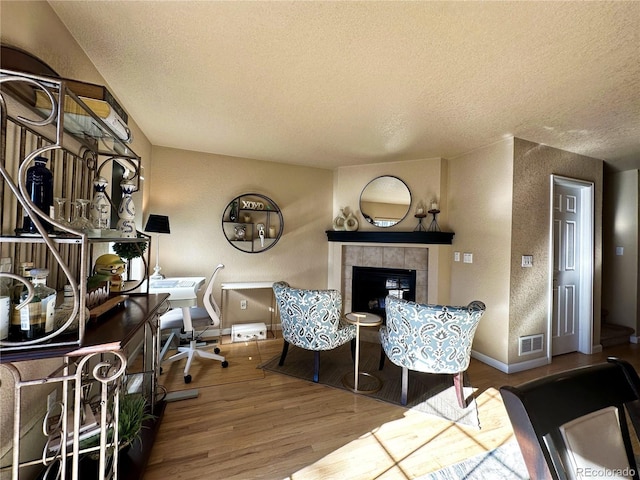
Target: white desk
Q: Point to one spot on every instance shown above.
(182, 293)
(226, 287)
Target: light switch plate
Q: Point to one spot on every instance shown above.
(527, 260)
(467, 257)
(456, 256)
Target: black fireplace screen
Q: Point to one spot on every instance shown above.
(371, 285)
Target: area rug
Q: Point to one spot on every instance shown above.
(428, 393)
(498, 464)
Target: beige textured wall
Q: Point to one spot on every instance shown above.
(194, 189)
(530, 293)
(423, 177)
(480, 192)
(621, 273)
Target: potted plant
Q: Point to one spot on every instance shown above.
(132, 415)
(128, 250)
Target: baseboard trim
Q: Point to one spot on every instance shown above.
(509, 368)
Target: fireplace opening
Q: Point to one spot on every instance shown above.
(371, 285)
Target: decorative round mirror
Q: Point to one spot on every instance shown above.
(252, 223)
(385, 201)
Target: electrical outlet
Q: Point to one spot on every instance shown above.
(527, 260)
(456, 256)
(243, 304)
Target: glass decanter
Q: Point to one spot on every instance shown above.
(81, 222)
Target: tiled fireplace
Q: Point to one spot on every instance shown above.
(427, 253)
(394, 257)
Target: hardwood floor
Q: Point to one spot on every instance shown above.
(250, 424)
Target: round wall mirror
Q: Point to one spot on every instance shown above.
(385, 201)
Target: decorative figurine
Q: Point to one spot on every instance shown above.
(100, 206)
(108, 268)
(351, 223)
(241, 232)
(233, 214)
(338, 222)
(127, 211)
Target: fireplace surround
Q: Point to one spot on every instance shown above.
(428, 253)
(371, 285)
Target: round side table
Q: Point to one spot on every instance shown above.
(362, 382)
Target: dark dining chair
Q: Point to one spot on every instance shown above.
(573, 424)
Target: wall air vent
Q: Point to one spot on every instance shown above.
(531, 344)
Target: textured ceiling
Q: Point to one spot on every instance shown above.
(346, 83)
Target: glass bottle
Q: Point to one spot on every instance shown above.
(40, 189)
(18, 290)
(64, 311)
(60, 211)
(81, 222)
(37, 317)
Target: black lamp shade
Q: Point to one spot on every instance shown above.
(157, 224)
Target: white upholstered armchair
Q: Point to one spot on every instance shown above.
(311, 319)
(430, 338)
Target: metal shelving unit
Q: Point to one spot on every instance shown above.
(95, 359)
(261, 212)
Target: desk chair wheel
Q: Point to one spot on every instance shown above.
(216, 350)
(225, 364)
(187, 379)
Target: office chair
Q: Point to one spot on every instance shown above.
(201, 318)
(574, 424)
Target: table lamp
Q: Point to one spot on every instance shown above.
(157, 224)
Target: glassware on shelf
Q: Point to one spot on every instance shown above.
(81, 222)
(65, 309)
(18, 290)
(37, 317)
(60, 211)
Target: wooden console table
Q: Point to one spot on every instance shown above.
(115, 340)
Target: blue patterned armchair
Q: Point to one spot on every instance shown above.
(430, 338)
(311, 319)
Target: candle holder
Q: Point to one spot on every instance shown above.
(420, 227)
(434, 227)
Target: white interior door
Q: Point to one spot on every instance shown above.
(572, 272)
